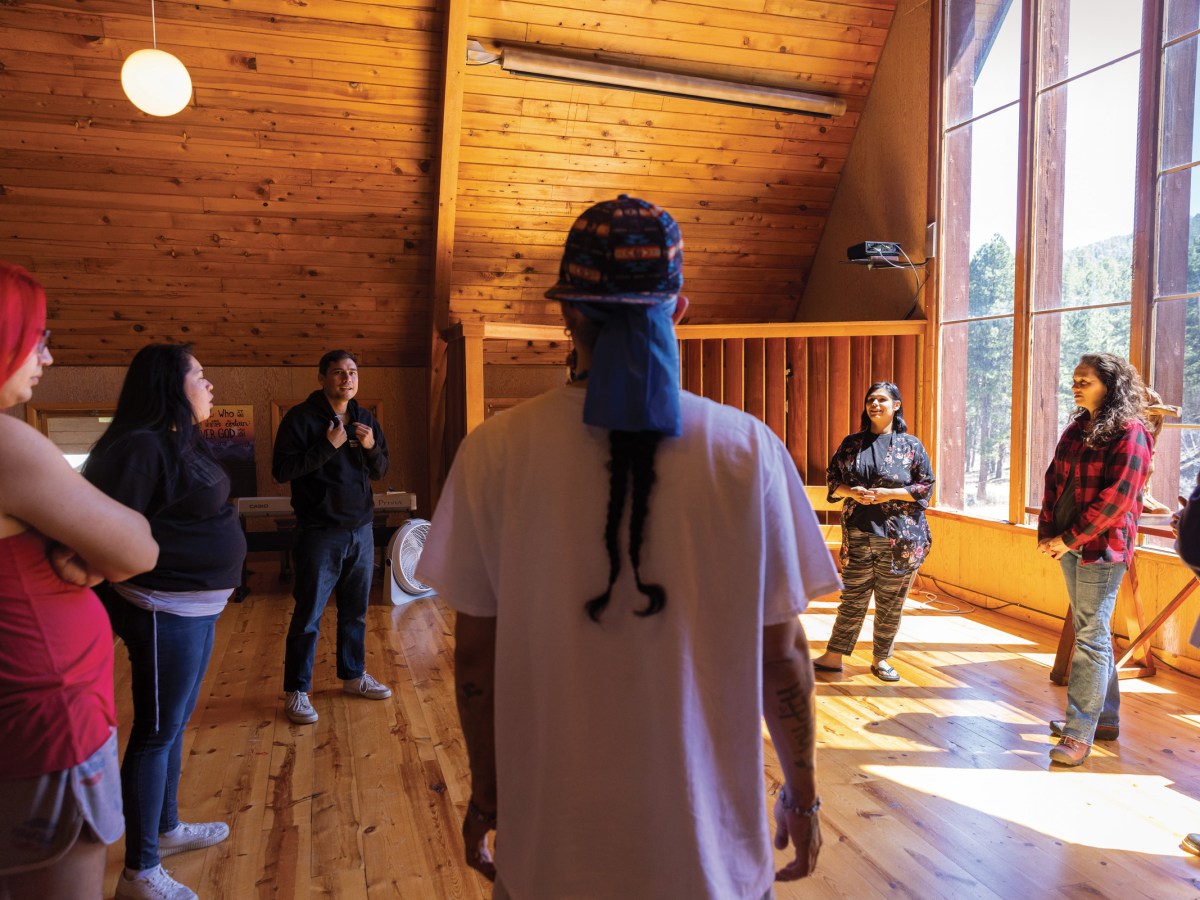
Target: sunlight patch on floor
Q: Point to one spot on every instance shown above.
(1143, 686)
(1093, 810)
(956, 630)
(1193, 720)
(922, 628)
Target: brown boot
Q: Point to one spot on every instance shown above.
(1069, 752)
(1104, 731)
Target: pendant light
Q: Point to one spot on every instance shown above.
(156, 82)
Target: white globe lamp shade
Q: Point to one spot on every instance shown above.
(156, 82)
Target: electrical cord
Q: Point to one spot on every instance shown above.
(955, 606)
(920, 281)
(884, 262)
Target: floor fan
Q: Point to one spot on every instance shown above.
(403, 554)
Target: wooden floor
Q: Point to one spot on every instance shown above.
(936, 787)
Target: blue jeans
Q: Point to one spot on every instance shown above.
(329, 560)
(1093, 694)
(168, 656)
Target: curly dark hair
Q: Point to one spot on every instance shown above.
(1124, 402)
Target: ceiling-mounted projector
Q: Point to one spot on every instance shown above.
(883, 252)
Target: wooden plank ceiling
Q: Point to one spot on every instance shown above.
(290, 207)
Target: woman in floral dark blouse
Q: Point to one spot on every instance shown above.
(883, 474)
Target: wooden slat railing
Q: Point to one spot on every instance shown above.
(805, 380)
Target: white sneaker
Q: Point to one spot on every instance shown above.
(366, 686)
(298, 709)
(153, 884)
(192, 836)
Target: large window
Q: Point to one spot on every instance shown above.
(1176, 285)
(1084, 168)
(983, 52)
(1047, 208)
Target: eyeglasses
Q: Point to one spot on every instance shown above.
(43, 343)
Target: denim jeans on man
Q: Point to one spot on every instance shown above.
(329, 560)
(168, 656)
(1093, 693)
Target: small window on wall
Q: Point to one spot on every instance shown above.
(73, 427)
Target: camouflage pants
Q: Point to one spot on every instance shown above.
(868, 570)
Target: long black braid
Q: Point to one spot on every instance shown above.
(632, 454)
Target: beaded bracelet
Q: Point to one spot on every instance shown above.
(795, 810)
(486, 819)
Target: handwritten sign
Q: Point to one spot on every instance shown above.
(233, 424)
(230, 434)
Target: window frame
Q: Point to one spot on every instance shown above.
(1145, 218)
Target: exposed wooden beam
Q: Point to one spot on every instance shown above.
(454, 45)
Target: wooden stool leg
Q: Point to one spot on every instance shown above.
(1062, 657)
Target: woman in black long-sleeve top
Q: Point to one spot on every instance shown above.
(153, 459)
(883, 474)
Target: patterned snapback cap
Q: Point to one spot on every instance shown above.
(621, 251)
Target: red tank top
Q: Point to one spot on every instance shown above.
(56, 665)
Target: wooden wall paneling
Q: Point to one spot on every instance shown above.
(775, 372)
(907, 356)
(695, 366)
(838, 389)
(818, 409)
(316, 162)
(713, 369)
(882, 358)
(546, 142)
(734, 388)
(862, 375)
(754, 367)
(797, 404)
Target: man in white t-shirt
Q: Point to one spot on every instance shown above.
(628, 562)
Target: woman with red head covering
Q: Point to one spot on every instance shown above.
(60, 796)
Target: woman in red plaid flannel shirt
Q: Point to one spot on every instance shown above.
(1090, 509)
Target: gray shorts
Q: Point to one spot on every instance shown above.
(42, 817)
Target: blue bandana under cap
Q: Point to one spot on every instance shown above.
(622, 266)
(633, 381)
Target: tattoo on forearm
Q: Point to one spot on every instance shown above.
(794, 705)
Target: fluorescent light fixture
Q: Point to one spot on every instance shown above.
(546, 64)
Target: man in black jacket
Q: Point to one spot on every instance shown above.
(330, 449)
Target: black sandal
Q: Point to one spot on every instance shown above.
(821, 667)
(884, 672)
